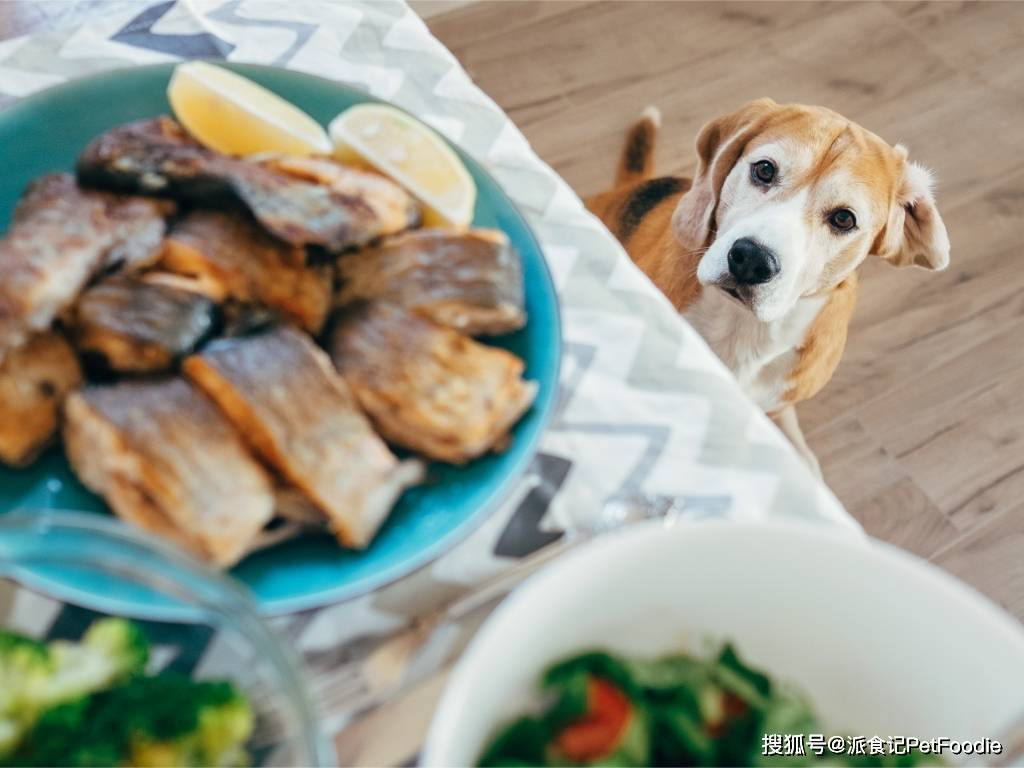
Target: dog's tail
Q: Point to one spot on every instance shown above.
(637, 159)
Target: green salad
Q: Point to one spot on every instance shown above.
(677, 710)
(91, 703)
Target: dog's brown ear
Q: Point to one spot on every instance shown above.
(915, 235)
(719, 145)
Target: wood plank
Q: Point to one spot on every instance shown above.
(877, 490)
(854, 464)
(991, 559)
(970, 36)
(960, 433)
(904, 515)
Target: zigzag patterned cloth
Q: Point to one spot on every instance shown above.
(644, 404)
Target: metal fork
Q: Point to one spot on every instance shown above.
(363, 675)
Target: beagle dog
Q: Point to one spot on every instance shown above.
(760, 250)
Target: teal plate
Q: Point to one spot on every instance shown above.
(45, 133)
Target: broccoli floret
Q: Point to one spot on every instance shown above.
(166, 720)
(35, 677)
(13, 643)
(217, 740)
(123, 640)
(54, 739)
(110, 651)
(25, 665)
(186, 722)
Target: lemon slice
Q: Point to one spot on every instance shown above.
(234, 115)
(403, 148)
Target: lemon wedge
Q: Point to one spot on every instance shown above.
(234, 115)
(399, 146)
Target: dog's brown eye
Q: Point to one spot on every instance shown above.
(763, 172)
(842, 219)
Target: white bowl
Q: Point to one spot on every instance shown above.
(884, 643)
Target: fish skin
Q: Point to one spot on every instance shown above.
(286, 399)
(62, 236)
(470, 281)
(135, 325)
(157, 157)
(165, 459)
(396, 210)
(139, 225)
(248, 265)
(34, 380)
(426, 387)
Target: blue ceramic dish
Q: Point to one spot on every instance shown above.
(45, 133)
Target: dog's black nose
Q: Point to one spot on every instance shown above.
(751, 263)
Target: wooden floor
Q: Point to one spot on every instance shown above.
(921, 432)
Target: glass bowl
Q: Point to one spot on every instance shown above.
(217, 632)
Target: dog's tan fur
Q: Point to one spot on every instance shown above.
(667, 225)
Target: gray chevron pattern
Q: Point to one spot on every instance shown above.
(644, 405)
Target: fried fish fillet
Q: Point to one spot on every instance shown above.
(138, 225)
(158, 157)
(282, 393)
(469, 281)
(59, 238)
(232, 254)
(427, 387)
(140, 324)
(166, 459)
(395, 209)
(34, 380)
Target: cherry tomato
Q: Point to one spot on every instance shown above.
(598, 732)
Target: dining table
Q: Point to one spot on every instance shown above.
(644, 408)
